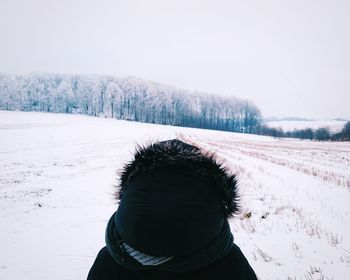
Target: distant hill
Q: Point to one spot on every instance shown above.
(278, 119)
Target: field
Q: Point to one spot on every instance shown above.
(57, 177)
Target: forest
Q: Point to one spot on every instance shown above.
(127, 98)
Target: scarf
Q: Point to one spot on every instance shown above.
(128, 257)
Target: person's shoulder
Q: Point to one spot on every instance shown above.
(234, 265)
(104, 267)
(236, 254)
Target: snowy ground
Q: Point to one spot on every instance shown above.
(333, 125)
(56, 194)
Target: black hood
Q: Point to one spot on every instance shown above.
(174, 199)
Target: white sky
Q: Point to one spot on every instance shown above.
(292, 58)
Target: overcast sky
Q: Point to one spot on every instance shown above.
(290, 57)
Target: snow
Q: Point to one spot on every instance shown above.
(57, 177)
(333, 125)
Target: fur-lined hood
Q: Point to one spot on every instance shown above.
(177, 154)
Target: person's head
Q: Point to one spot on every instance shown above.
(174, 199)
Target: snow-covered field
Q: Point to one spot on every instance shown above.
(333, 125)
(56, 194)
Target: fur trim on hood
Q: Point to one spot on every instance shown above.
(175, 153)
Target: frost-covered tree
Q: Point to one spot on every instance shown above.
(322, 133)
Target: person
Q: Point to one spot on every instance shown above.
(172, 219)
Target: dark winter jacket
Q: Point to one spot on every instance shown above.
(172, 219)
(233, 266)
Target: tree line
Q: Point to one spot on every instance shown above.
(320, 134)
(135, 99)
(128, 99)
